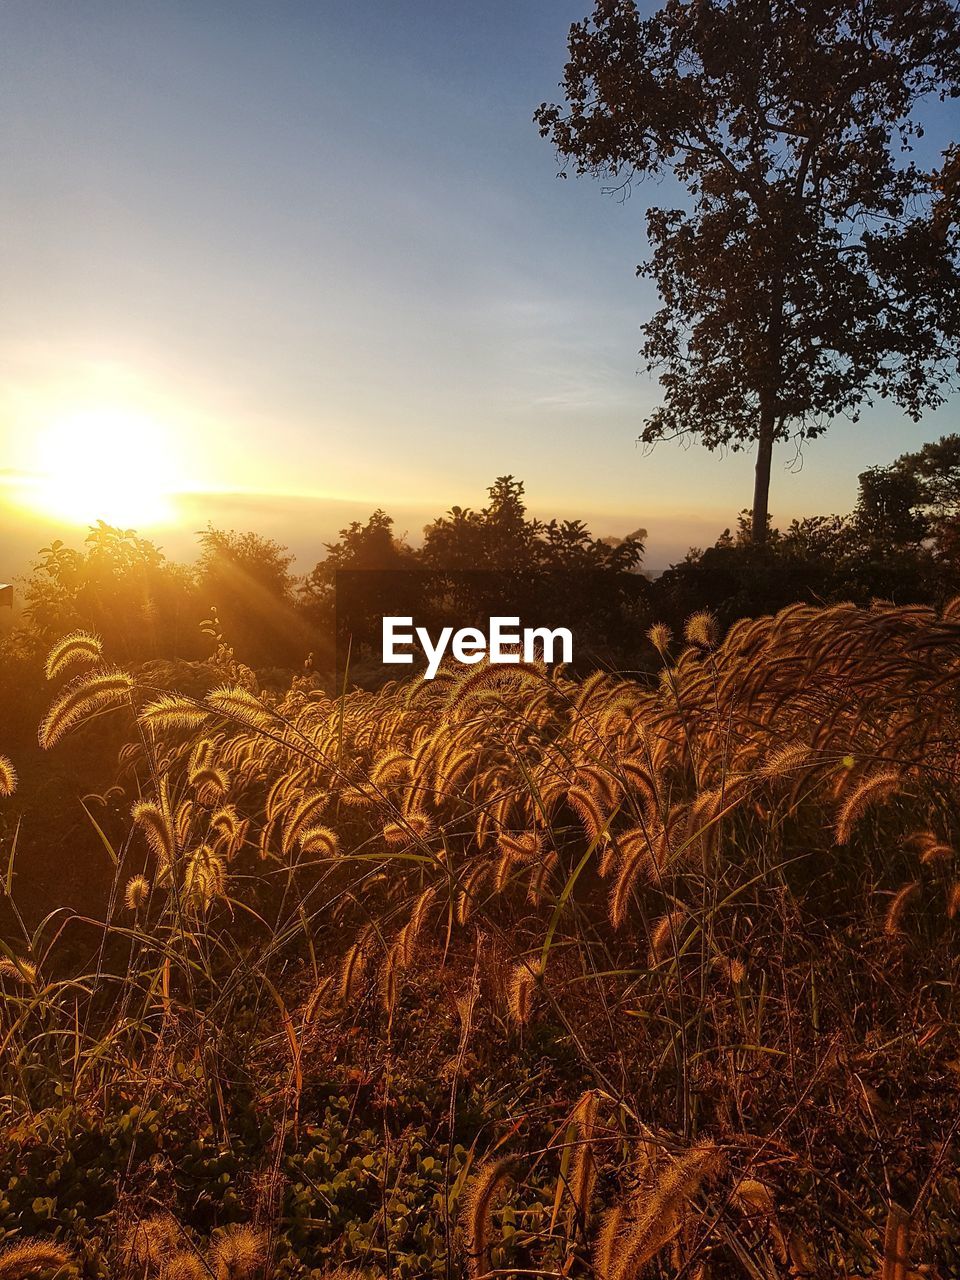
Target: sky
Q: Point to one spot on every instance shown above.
(300, 260)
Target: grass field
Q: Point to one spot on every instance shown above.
(507, 973)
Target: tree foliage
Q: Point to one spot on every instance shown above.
(247, 578)
(501, 537)
(901, 543)
(814, 263)
(119, 585)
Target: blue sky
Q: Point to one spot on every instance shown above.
(325, 249)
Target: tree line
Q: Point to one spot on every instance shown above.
(901, 542)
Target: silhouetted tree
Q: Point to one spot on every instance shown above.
(917, 499)
(812, 266)
(360, 546)
(936, 468)
(888, 505)
(497, 537)
(371, 555)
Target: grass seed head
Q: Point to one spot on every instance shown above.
(77, 648)
(137, 892)
(238, 1253)
(8, 777)
(28, 1258)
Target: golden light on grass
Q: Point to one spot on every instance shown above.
(107, 464)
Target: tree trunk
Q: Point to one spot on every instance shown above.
(761, 486)
(768, 405)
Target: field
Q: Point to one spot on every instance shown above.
(506, 974)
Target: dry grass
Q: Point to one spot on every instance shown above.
(729, 895)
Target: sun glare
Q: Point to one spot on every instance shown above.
(108, 464)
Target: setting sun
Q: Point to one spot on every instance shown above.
(106, 464)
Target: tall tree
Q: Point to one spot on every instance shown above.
(815, 261)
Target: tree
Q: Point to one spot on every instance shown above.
(816, 263)
(120, 586)
(369, 557)
(247, 579)
(888, 505)
(372, 546)
(501, 561)
(917, 499)
(936, 468)
(498, 537)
